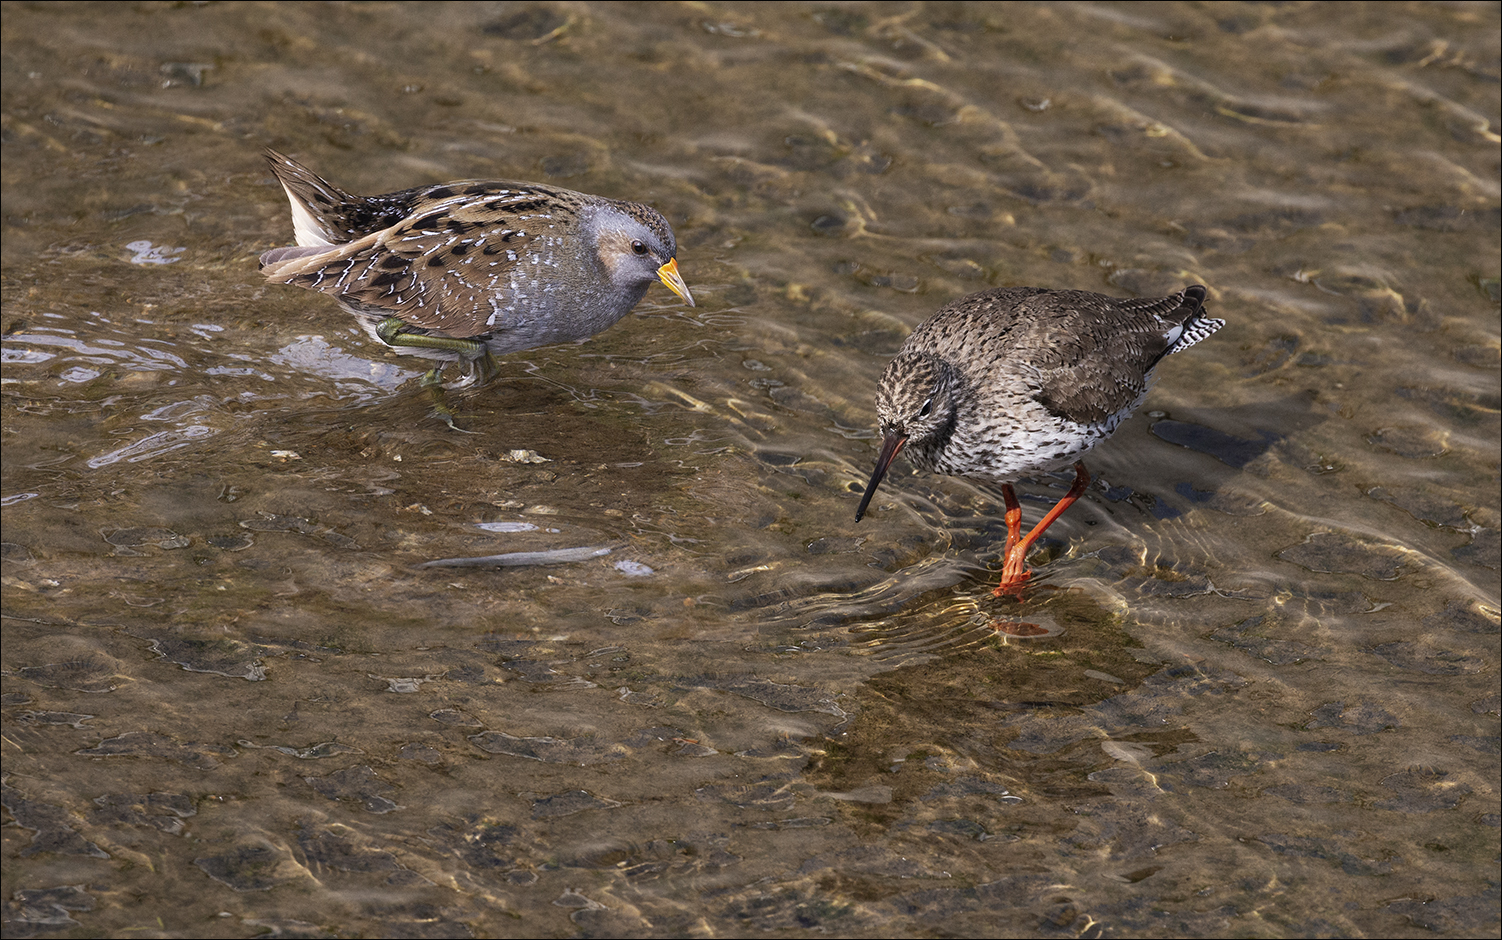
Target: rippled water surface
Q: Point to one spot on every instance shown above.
(1263, 700)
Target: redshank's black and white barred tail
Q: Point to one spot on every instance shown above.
(1194, 327)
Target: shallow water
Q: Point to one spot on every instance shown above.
(1264, 699)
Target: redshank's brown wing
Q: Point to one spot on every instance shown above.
(1094, 354)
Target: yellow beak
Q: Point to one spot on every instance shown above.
(669, 275)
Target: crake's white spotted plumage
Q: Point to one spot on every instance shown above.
(476, 268)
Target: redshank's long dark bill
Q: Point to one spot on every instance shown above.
(1011, 382)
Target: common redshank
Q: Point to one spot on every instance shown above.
(1006, 383)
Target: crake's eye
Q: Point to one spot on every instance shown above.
(639, 248)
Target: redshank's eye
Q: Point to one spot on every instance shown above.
(927, 407)
(639, 247)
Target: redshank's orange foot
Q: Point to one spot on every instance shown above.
(1013, 585)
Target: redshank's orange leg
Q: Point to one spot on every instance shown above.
(1014, 573)
(1014, 518)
